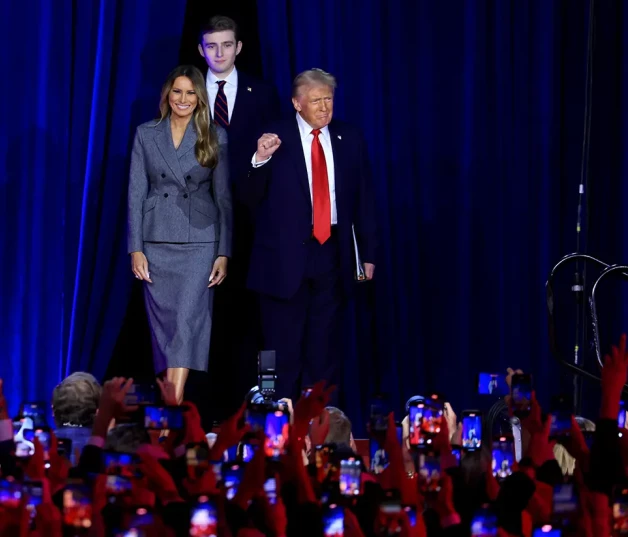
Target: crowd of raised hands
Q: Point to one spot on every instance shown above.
(178, 483)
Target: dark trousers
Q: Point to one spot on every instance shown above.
(304, 329)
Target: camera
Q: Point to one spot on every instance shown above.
(266, 374)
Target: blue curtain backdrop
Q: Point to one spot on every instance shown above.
(77, 79)
(473, 112)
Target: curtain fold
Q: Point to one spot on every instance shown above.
(473, 112)
(78, 78)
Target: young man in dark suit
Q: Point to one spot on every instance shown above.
(309, 184)
(242, 105)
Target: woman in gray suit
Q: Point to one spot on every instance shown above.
(180, 223)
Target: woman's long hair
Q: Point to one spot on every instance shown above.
(206, 149)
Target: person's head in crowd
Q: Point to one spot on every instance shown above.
(313, 97)
(219, 44)
(339, 429)
(127, 438)
(184, 96)
(75, 400)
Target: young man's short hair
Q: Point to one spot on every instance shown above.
(219, 23)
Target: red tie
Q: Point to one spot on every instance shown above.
(320, 191)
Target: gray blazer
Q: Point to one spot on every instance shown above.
(172, 198)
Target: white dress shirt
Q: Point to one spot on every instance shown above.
(305, 130)
(230, 89)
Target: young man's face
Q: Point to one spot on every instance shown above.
(220, 50)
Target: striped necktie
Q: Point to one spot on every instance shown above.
(221, 109)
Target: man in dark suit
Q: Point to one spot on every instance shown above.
(241, 104)
(309, 185)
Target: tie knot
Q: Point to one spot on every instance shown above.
(316, 132)
(221, 83)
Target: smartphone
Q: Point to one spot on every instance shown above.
(410, 511)
(621, 418)
(425, 421)
(561, 424)
(163, 417)
(620, 510)
(390, 519)
(277, 425)
(43, 435)
(334, 521)
(492, 384)
(561, 409)
(117, 485)
(379, 409)
(547, 531)
(521, 394)
(377, 456)
(197, 455)
(204, 520)
(245, 452)
(565, 505)
(64, 448)
(232, 473)
(10, 493)
(503, 457)
(34, 492)
(270, 488)
(484, 523)
(471, 430)
(122, 464)
(350, 477)
(36, 411)
(77, 506)
(429, 472)
(142, 394)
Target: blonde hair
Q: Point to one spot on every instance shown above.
(207, 145)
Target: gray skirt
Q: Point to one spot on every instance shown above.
(179, 303)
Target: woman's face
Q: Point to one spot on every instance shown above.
(182, 97)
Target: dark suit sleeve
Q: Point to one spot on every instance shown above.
(138, 190)
(365, 221)
(222, 196)
(253, 186)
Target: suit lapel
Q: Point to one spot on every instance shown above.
(242, 100)
(295, 148)
(188, 142)
(164, 143)
(339, 163)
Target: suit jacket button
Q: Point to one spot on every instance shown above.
(185, 196)
(163, 175)
(166, 195)
(189, 177)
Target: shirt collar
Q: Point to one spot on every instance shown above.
(231, 80)
(305, 129)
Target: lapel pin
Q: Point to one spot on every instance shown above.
(248, 88)
(339, 137)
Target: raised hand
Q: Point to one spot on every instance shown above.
(266, 146)
(613, 379)
(231, 432)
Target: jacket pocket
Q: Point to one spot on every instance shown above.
(205, 207)
(149, 204)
